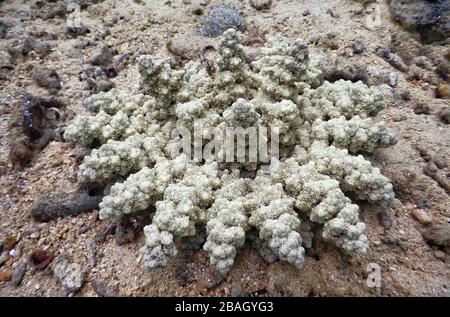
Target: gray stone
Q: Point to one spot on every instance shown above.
(438, 235)
(422, 216)
(392, 79)
(393, 59)
(69, 275)
(444, 115)
(220, 18)
(18, 274)
(47, 78)
(430, 18)
(3, 30)
(103, 56)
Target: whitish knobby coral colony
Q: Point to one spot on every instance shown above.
(323, 129)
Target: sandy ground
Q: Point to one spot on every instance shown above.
(408, 264)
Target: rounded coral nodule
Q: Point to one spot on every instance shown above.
(324, 129)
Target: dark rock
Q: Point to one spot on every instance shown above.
(214, 280)
(41, 258)
(80, 152)
(281, 286)
(333, 13)
(422, 108)
(3, 29)
(100, 35)
(96, 79)
(103, 85)
(406, 95)
(104, 231)
(58, 204)
(6, 66)
(220, 18)
(431, 170)
(405, 46)
(443, 69)
(184, 274)
(20, 152)
(22, 47)
(195, 242)
(345, 69)
(18, 274)
(423, 62)
(438, 235)
(444, 115)
(75, 31)
(47, 78)
(42, 34)
(84, 42)
(31, 128)
(48, 9)
(358, 46)
(440, 161)
(123, 60)
(430, 18)
(393, 59)
(103, 56)
(125, 231)
(384, 219)
(197, 11)
(261, 4)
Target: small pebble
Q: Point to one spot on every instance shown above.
(333, 14)
(103, 56)
(3, 258)
(261, 4)
(18, 274)
(392, 78)
(442, 91)
(444, 115)
(220, 18)
(6, 275)
(47, 78)
(422, 108)
(422, 216)
(439, 254)
(358, 46)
